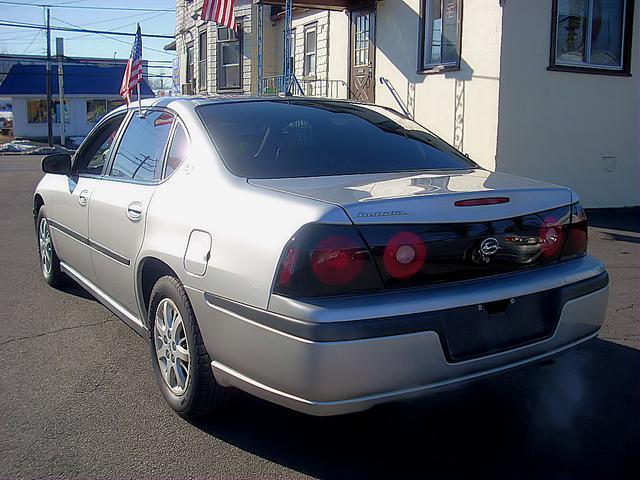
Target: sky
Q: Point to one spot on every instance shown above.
(27, 41)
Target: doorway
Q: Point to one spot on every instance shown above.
(362, 83)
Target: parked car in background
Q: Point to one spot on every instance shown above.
(6, 123)
(327, 256)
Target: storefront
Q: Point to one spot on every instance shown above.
(90, 92)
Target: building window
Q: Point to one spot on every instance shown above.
(441, 35)
(190, 73)
(292, 58)
(361, 47)
(310, 50)
(98, 108)
(229, 65)
(591, 35)
(202, 61)
(37, 111)
(56, 110)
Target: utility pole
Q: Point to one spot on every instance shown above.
(48, 80)
(60, 55)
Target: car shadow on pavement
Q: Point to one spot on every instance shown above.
(74, 288)
(574, 416)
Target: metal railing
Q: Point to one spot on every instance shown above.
(397, 98)
(337, 89)
(278, 84)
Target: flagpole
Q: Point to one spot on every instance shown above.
(139, 100)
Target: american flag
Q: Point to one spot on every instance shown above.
(133, 72)
(220, 11)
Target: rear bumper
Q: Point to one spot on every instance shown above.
(334, 367)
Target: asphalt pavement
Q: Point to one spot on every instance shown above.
(78, 396)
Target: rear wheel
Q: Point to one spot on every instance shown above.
(49, 261)
(180, 360)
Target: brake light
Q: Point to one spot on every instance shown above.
(325, 260)
(474, 202)
(577, 239)
(404, 255)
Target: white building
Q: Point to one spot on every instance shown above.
(90, 91)
(539, 88)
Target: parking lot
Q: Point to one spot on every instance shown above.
(78, 397)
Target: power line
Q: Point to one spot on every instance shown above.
(85, 61)
(17, 24)
(122, 41)
(111, 20)
(89, 7)
(34, 74)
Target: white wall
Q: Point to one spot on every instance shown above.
(558, 126)
(460, 106)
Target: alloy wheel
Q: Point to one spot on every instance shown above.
(172, 347)
(46, 247)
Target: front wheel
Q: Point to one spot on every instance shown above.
(49, 262)
(180, 360)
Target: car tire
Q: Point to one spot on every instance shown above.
(48, 259)
(190, 390)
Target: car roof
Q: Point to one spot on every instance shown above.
(196, 100)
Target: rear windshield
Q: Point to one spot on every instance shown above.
(306, 138)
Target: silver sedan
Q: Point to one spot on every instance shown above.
(324, 255)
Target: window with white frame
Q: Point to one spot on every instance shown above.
(591, 35)
(292, 57)
(229, 64)
(202, 61)
(190, 77)
(441, 26)
(310, 50)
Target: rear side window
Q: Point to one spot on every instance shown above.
(177, 151)
(140, 153)
(304, 138)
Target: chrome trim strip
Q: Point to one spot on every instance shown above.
(226, 376)
(117, 309)
(90, 243)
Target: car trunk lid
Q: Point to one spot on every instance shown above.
(426, 197)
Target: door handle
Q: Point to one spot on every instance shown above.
(83, 198)
(134, 211)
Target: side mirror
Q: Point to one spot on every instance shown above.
(59, 163)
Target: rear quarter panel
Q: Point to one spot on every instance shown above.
(249, 225)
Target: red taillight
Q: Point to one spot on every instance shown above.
(335, 260)
(551, 240)
(324, 260)
(577, 239)
(288, 266)
(551, 237)
(474, 202)
(404, 255)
